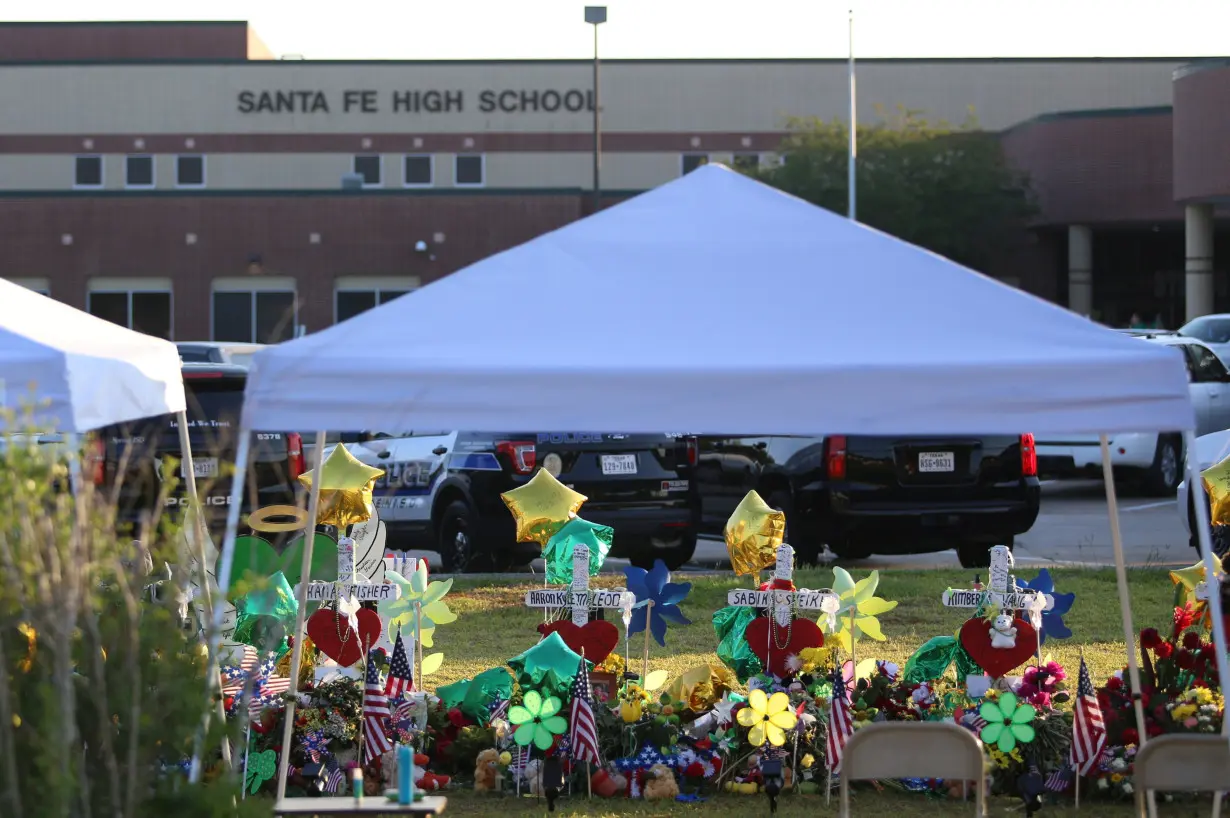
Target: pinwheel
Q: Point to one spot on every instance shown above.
(654, 586)
(1008, 721)
(768, 717)
(536, 720)
(399, 613)
(859, 607)
(1058, 605)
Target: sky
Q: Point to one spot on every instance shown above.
(554, 29)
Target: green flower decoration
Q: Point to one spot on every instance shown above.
(429, 595)
(1007, 722)
(536, 720)
(262, 766)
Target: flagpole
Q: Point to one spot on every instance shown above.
(853, 156)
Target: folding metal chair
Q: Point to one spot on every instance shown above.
(1181, 763)
(928, 749)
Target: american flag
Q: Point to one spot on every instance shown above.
(1061, 779)
(583, 730)
(401, 677)
(335, 779)
(841, 727)
(1088, 727)
(375, 712)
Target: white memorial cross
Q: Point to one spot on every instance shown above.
(784, 602)
(350, 584)
(578, 596)
(1001, 591)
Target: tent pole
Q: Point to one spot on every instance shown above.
(1195, 490)
(194, 508)
(214, 636)
(74, 462)
(1125, 603)
(305, 579)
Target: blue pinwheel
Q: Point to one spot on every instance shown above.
(1052, 617)
(655, 586)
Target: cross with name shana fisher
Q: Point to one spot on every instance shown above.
(784, 602)
(578, 596)
(350, 585)
(1001, 592)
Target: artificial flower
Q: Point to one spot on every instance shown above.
(1007, 722)
(768, 718)
(1150, 638)
(536, 720)
(429, 596)
(859, 607)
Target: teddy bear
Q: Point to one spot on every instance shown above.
(1003, 632)
(487, 771)
(661, 784)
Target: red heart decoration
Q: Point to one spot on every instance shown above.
(593, 640)
(346, 649)
(804, 634)
(976, 639)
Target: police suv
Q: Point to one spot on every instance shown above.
(441, 491)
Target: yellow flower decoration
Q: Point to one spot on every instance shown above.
(807, 761)
(815, 658)
(860, 604)
(768, 718)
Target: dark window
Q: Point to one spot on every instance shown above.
(746, 162)
(254, 317)
(139, 171)
(111, 307)
(233, 317)
(418, 170)
(369, 168)
(88, 171)
(352, 302)
(275, 317)
(151, 314)
(469, 170)
(1205, 366)
(691, 161)
(388, 295)
(190, 171)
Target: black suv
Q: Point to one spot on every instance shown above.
(441, 491)
(215, 400)
(885, 495)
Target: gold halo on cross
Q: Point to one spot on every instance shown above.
(278, 519)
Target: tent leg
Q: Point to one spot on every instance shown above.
(1195, 490)
(1125, 602)
(74, 462)
(194, 508)
(224, 581)
(309, 541)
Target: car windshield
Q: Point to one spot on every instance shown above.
(196, 355)
(1210, 329)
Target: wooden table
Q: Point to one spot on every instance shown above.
(371, 805)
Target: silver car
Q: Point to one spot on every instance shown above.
(1213, 330)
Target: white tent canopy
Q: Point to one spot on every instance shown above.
(80, 372)
(716, 304)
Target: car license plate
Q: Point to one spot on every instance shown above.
(936, 462)
(619, 464)
(201, 467)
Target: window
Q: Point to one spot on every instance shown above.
(88, 172)
(418, 171)
(357, 294)
(369, 168)
(691, 161)
(260, 310)
(139, 171)
(42, 286)
(190, 171)
(745, 162)
(1206, 367)
(468, 170)
(144, 306)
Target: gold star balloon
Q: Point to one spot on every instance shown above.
(1186, 581)
(1216, 481)
(542, 507)
(753, 533)
(345, 489)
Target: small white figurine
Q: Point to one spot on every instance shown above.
(1003, 632)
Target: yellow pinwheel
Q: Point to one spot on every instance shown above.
(767, 717)
(859, 608)
(399, 613)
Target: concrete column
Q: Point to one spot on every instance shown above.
(1080, 269)
(1199, 264)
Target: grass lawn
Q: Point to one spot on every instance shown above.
(493, 626)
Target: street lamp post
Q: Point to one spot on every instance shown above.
(596, 16)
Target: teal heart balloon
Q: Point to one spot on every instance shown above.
(558, 553)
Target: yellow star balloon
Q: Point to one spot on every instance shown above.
(1185, 581)
(542, 507)
(753, 533)
(345, 489)
(1216, 481)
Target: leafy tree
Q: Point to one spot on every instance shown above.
(944, 188)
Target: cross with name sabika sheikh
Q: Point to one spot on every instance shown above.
(784, 602)
(579, 597)
(1002, 591)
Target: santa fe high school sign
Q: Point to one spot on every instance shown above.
(512, 101)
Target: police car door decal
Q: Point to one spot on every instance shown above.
(411, 472)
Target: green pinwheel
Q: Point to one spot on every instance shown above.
(262, 766)
(536, 720)
(1008, 721)
(399, 613)
(858, 608)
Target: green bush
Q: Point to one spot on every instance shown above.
(102, 689)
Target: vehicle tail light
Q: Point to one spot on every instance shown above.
(1029, 456)
(294, 455)
(835, 456)
(693, 450)
(686, 451)
(96, 461)
(521, 453)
